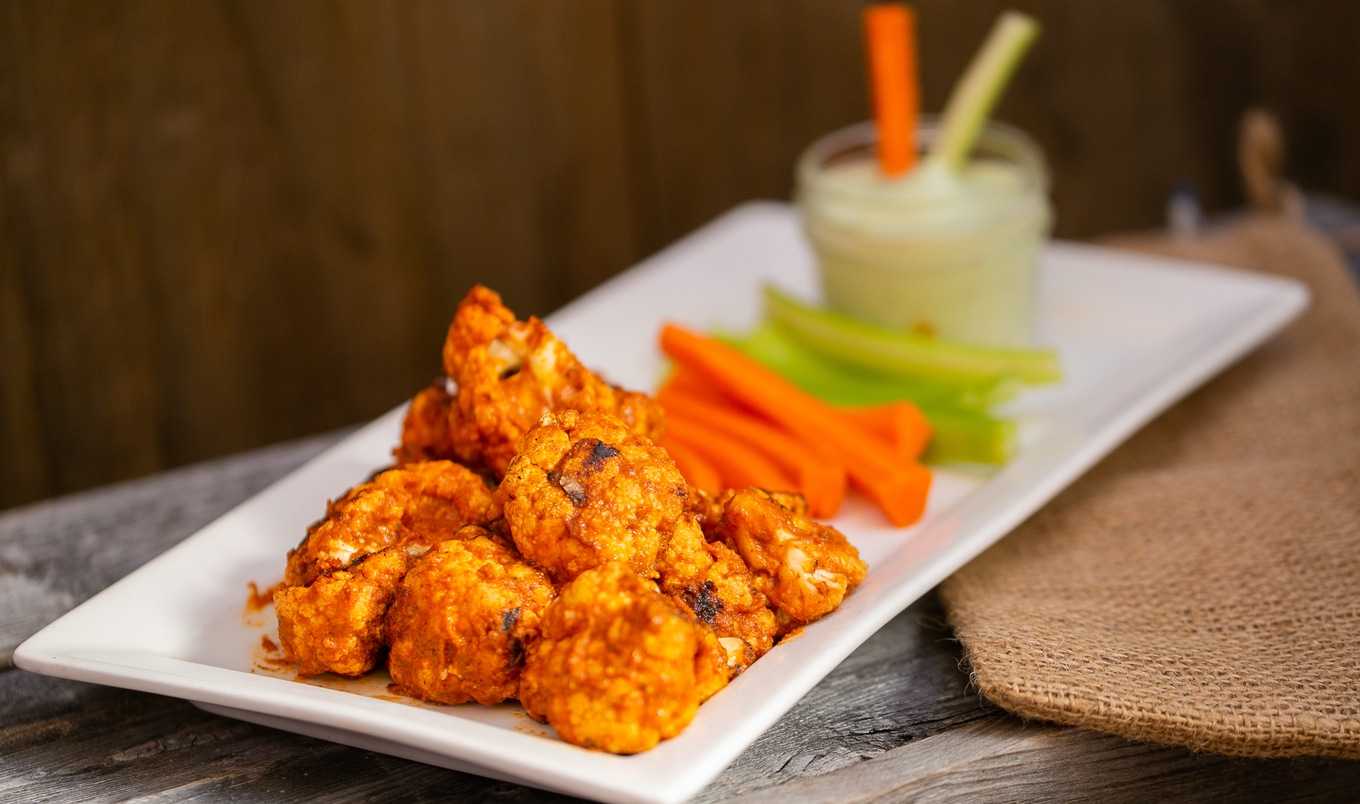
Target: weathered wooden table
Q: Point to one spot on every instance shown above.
(895, 721)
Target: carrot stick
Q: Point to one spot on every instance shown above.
(739, 465)
(898, 488)
(817, 476)
(900, 424)
(694, 467)
(891, 39)
(684, 381)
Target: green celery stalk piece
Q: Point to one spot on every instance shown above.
(840, 384)
(972, 99)
(969, 436)
(900, 353)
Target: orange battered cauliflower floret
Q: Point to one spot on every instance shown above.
(461, 620)
(804, 567)
(367, 519)
(508, 373)
(585, 490)
(445, 496)
(619, 666)
(412, 507)
(713, 582)
(425, 428)
(337, 623)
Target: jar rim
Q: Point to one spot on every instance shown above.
(858, 140)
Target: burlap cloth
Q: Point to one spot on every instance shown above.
(1201, 586)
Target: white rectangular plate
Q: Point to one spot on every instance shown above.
(1135, 334)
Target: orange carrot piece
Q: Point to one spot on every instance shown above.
(684, 381)
(900, 424)
(890, 37)
(817, 475)
(737, 464)
(899, 488)
(697, 470)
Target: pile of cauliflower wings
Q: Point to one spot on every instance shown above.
(532, 542)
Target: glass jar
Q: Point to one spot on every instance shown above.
(952, 255)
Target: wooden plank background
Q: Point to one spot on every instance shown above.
(226, 223)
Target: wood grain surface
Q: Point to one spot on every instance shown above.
(228, 223)
(895, 721)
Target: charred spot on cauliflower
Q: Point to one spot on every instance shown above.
(712, 581)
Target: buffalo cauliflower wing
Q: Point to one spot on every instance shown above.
(366, 519)
(445, 496)
(618, 666)
(412, 507)
(586, 490)
(461, 619)
(806, 568)
(507, 374)
(336, 624)
(425, 427)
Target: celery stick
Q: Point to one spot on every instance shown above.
(906, 354)
(839, 384)
(971, 101)
(967, 436)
